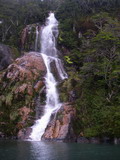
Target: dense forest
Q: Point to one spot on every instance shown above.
(89, 40)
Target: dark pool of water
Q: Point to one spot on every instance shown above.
(19, 150)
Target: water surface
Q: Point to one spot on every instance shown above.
(19, 150)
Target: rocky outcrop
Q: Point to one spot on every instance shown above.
(93, 140)
(20, 84)
(7, 55)
(60, 127)
(98, 140)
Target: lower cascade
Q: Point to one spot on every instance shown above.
(49, 53)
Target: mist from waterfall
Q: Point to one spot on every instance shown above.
(49, 34)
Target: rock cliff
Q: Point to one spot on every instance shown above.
(20, 84)
(60, 128)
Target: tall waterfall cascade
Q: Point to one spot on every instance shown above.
(48, 37)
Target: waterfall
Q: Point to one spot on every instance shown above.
(36, 40)
(49, 53)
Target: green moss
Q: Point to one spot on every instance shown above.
(15, 52)
(28, 99)
(2, 98)
(14, 115)
(91, 132)
(59, 116)
(63, 97)
(8, 99)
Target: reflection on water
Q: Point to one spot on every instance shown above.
(18, 150)
(49, 151)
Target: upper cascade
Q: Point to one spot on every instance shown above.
(48, 36)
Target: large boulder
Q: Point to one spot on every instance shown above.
(60, 127)
(7, 55)
(20, 84)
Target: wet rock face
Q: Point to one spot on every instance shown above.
(5, 56)
(60, 126)
(24, 133)
(28, 37)
(19, 85)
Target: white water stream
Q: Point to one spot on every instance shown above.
(49, 54)
(36, 40)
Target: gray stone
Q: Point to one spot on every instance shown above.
(82, 140)
(5, 56)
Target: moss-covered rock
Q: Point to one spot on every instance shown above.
(20, 83)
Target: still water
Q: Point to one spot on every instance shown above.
(19, 150)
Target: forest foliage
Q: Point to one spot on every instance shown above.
(89, 38)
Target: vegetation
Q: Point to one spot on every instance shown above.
(89, 39)
(16, 14)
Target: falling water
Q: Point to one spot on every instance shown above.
(36, 40)
(49, 54)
